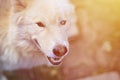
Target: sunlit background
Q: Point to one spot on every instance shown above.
(94, 54)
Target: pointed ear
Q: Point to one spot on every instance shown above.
(20, 5)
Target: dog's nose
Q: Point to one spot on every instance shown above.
(60, 50)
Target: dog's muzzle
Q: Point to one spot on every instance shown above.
(59, 52)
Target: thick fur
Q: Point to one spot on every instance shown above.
(18, 29)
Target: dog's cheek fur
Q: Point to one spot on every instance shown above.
(73, 29)
(5, 12)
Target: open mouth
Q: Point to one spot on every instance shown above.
(54, 61)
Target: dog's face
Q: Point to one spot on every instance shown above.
(48, 25)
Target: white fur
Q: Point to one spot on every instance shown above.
(17, 48)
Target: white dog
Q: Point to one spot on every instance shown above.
(35, 32)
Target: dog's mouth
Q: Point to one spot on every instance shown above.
(54, 61)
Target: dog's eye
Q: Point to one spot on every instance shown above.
(63, 22)
(40, 24)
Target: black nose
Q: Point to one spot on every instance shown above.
(60, 50)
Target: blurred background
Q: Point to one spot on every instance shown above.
(94, 53)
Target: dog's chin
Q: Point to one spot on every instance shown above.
(54, 61)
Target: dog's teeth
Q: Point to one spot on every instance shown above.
(54, 61)
(56, 58)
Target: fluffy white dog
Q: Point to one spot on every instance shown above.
(35, 32)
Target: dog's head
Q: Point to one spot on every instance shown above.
(48, 24)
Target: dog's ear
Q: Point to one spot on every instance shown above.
(21, 5)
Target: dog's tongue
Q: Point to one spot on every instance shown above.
(54, 61)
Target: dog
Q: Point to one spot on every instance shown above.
(35, 32)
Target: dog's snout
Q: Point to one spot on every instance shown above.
(60, 50)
